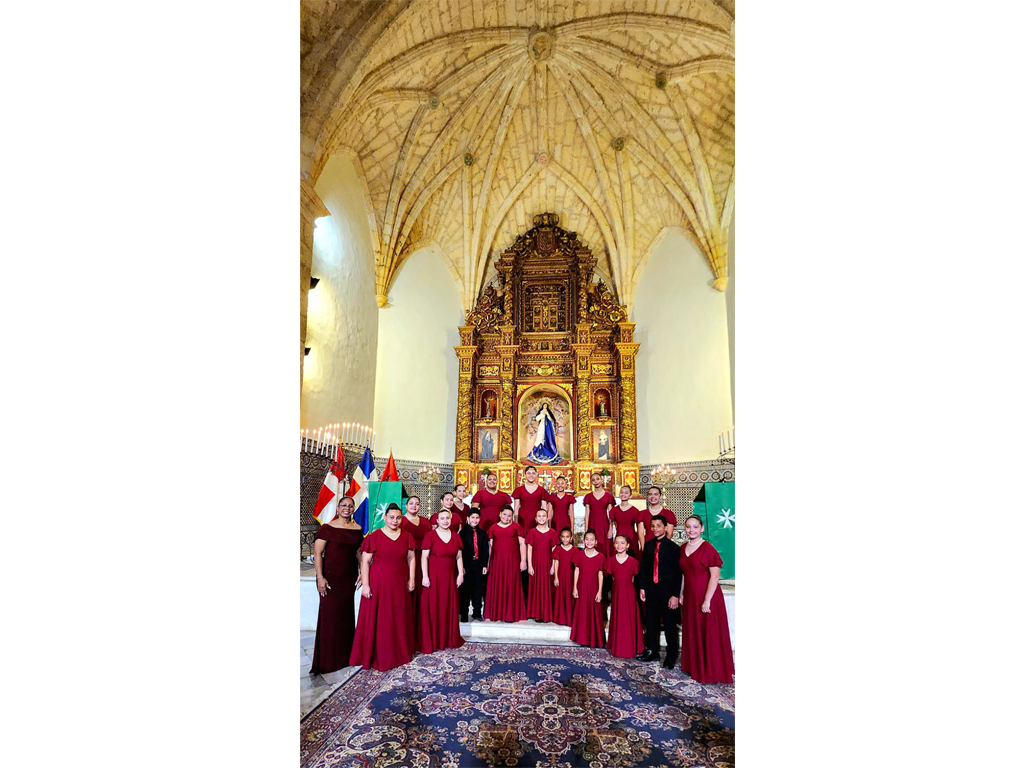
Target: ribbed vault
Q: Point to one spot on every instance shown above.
(466, 119)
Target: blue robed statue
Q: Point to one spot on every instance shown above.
(544, 450)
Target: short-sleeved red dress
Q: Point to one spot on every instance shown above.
(490, 506)
(707, 648)
(625, 523)
(541, 601)
(588, 617)
(529, 503)
(599, 519)
(439, 609)
(564, 602)
(384, 631)
(418, 531)
(561, 515)
(463, 510)
(336, 621)
(504, 600)
(625, 633)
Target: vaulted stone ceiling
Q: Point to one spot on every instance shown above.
(465, 119)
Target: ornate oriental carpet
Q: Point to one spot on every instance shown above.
(489, 704)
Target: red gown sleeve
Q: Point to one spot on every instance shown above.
(516, 493)
(712, 559)
(428, 541)
(370, 543)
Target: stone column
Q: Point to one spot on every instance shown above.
(582, 350)
(627, 350)
(466, 353)
(508, 350)
(311, 207)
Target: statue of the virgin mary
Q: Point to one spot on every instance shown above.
(545, 450)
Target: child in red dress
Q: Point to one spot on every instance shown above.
(625, 635)
(562, 556)
(588, 581)
(540, 541)
(504, 601)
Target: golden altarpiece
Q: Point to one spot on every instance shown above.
(547, 348)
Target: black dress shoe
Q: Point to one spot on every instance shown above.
(478, 618)
(669, 663)
(649, 655)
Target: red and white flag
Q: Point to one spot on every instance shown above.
(332, 491)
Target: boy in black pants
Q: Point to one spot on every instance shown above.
(475, 551)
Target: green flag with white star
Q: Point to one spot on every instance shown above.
(378, 496)
(720, 523)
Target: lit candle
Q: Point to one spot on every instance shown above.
(721, 445)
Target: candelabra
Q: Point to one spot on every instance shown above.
(431, 476)
(663, 475)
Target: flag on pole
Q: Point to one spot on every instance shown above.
(390, 470)
(331, 492)
(365, 473)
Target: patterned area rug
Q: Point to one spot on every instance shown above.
(489, 704)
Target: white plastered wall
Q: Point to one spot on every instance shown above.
(341, 331)
(682, 368)
(417, 370)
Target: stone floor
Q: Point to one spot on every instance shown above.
(315, 688)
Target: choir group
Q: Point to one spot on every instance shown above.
(515, 555)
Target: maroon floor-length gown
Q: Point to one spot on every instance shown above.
(564, 602)
(625, 633)
(529, 503)
(490, 506)
(706, 653)
(439, 609)
(599, 519)
(384, 632)
(540, 604)
(588, 617)
(418, 531)
(561, 514)
(336, 621)
(504, 600)
(625, 523)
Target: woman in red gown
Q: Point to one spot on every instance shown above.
(597, 503)
(384, 632)
(625, 634)
(336, 560)
(528, 498)
(504, 601)
(624, 520)
(540, 541)
(489, 501)
(417, 527)
(707, 648)
(562, 557)
(448, 502)
(442, 577)
(459, 505)
(588, 581)
(560, 505)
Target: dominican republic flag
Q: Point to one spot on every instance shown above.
(365, 474)
(333, 489)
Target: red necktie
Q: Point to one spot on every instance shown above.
(476, 548)
(656, 562)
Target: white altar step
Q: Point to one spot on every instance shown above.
(529, 632)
